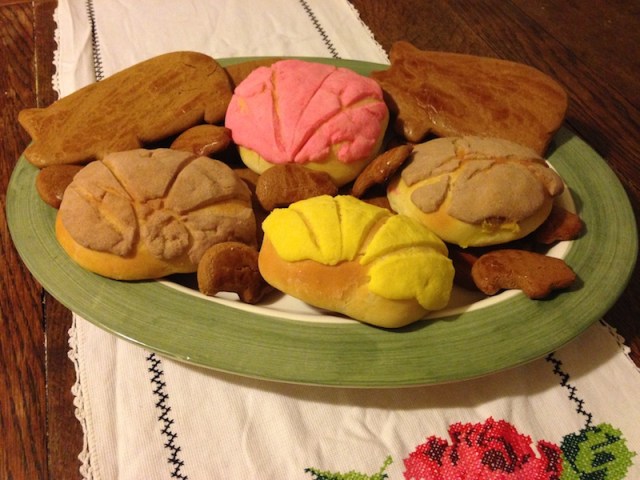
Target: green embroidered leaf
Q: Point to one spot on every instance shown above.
(323, 475)
(595, 453)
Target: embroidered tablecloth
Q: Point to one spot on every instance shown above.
(149, 417)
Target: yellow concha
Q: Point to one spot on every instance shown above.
(421, 273)
(403, 258)
(409, 261)
(324, 229)
(400, 231)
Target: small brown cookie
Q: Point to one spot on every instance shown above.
(205, 140)
(51, 182)
(232, 267)
(145, 103)
(560, 225)
(281, 185)
(533, 273)
(381, 169)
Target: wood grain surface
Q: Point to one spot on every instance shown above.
(589, 46)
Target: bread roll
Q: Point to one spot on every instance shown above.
(323, 117)
(144, 214)
(344, 255)
(475, 191)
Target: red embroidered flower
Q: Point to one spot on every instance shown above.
(493, 450)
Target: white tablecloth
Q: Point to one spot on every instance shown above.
(148, 417)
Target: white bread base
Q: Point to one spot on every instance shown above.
(339, 288)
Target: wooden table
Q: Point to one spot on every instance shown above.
(589, 46)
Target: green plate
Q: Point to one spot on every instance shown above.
(285, 342)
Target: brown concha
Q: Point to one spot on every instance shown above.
(150, 213)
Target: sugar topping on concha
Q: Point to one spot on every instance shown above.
(318, 115)
(475, 191)
(148, 213)
(374, 252)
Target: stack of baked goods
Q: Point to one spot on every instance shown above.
(365, 196)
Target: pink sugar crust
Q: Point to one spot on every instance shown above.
(294, 111)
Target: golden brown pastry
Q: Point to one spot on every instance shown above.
(451, 94)
(381, 169)
(206, 140)
(143, 214)
(475, 191)
(282, 185)
(317, 115)
(347, 256)
(537, 275)
(232, 267)
(143, 104)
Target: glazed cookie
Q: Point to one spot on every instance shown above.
(451, 94)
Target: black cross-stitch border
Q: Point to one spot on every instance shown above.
(325, 37)
(95, 45)
(155, 364)
(573, 391)
(160, 393)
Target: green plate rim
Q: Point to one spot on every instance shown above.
(207, 334)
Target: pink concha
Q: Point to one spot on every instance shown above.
(296, 111)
